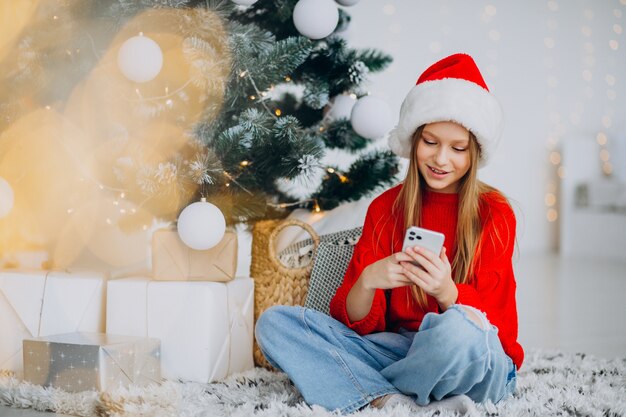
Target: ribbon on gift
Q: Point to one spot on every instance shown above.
(235, 312)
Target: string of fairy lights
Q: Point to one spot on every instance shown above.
(263, 96)
(259, 97)
(588, 73)
(557, 127)
(488, 16)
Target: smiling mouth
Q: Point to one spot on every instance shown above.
(437, 171)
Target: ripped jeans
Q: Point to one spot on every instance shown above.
(455, 352)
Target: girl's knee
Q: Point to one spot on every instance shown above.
(462, 315)
(269, 321)
(476, 316)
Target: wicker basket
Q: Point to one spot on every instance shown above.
(274, 283)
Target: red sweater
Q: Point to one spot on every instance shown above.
(492, 290)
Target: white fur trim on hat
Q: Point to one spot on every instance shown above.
(452, 100)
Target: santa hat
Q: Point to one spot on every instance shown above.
(450, 90)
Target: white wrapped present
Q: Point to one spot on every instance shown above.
(205, 328)
(42, 303)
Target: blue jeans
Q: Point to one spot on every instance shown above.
(334, 367)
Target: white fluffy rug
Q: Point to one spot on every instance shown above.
(549, 384)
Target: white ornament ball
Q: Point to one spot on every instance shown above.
(201, 225)
(341, 107)
(140, 59)
(6, 197)
(316, 19)
(244, 2)
(347, 2)
(371, 117)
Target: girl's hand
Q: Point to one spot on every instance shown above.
(434, 276)
(386, 273)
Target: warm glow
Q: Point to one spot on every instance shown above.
(7, 197)
(550, 199)
(68, 158)
(552, 215)
(604, 155)
(277, 112)
(555, 158)
(601, 138)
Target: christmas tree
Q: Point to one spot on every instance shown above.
(160, 102)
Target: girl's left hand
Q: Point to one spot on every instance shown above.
(434, 277)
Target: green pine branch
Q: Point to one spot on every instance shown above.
(369, 172)
(340, 135)
(279, 61)
(374, 60)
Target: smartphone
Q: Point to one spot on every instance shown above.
(424, 238)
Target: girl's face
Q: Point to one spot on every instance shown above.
(443, 155)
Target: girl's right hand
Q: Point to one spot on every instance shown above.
(386, 273)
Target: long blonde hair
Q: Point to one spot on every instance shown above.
(469, 227)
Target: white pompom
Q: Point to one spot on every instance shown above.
(316, 19)
(347, 2)
(6, 197)
(244, 2)
(140, 59)
(201, 225)
(371, 117)
(340, 107)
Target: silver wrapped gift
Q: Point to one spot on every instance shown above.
(91, 361)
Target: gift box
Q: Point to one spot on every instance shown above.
(43, 303)
(172, 260)
(205, 328)
(91, 361)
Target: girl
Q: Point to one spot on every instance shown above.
(445, 332)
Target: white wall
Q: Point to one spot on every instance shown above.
(533, 55)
